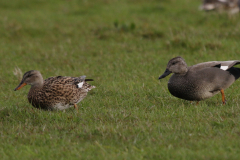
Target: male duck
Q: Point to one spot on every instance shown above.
(200, 81)
(55, 92)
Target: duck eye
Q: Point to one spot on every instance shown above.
(174, 63)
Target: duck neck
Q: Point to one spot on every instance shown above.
(38, 84)
(184, 70)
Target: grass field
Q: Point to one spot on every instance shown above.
(124, 46)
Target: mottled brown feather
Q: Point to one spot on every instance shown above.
(58, 91)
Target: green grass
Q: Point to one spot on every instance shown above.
(124, 46)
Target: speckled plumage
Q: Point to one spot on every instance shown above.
(55, 92)
(200, 81)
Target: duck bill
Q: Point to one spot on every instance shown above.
(166, 73)
(20, 86)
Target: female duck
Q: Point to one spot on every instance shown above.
(55, 92)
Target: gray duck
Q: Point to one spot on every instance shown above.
(55, 92)
(200, 81)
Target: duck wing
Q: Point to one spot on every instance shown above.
(224, 65)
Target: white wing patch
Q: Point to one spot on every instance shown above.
(224, 68)
(80, 85)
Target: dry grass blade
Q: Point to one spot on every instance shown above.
(18, 73)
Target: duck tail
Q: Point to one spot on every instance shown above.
(235, 72)
(84, 78)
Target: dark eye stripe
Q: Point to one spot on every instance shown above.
(29, 75)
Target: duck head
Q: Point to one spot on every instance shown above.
(176, 65)
(33, 78)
